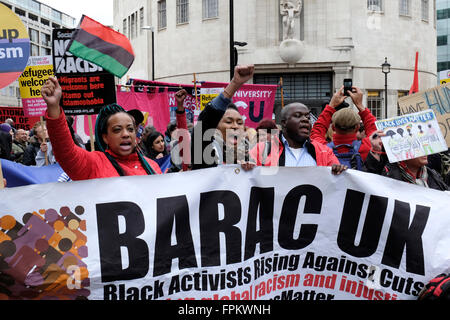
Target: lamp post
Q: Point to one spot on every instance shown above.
(385, 68)
(152, 29)
(232, 52)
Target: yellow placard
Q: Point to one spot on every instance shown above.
(205, 99)
(32, 80)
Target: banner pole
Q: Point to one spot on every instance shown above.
(282, 92)
(46, 154)
(91, 133)
(195, 89)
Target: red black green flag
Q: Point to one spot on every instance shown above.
(102, 46)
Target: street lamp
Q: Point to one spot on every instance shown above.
(152, 29)
(232, 48)
(385, 68)
(235, 59)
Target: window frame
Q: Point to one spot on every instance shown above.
(206, 7)
(182, 13)
(401, 6)
(373, 3)
(425, 10)
(162, 14)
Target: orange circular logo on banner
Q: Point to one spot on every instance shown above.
(14, 46)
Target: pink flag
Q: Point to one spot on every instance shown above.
(156, 104)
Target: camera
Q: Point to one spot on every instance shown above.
(348, 83)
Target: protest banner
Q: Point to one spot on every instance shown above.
(300, 234)
(14, 46)
(38, 70)
(437, 99)
(17, 115)
(192, 108)
(255, 102)
(86, 87)
(155, 104)
(411, 136)
(19, 175)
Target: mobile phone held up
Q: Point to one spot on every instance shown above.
(348, 83)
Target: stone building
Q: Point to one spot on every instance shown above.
(335, 40)
(40, 20)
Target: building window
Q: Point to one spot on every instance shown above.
(56, 15)
(442, 66)
(442, 40)
(20, 12)
(162, 14)
(45, 22)
(313, 89)
(32, 17)
(125, 28)
(374, 103)
(46, 39)
(34, 35)
(404, 8)
(45, 51)
(182, 11)
(210, 9)
(375, 5)
(425, 10)
(141, 20)
(34, 50)
(133, 26)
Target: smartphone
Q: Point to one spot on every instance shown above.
(348, 83)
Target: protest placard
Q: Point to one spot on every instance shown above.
(192, 107)
(255, 102)
(86, 87)
(300, 234)
(437, 99)
(38, 70)
(411, 136)
(17, 115)
(155, 105)
(14, 46)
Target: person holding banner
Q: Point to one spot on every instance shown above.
(413, 171)
(220, 130)
(115, 136)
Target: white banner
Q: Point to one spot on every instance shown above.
(224, 234)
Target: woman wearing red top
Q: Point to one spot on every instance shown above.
(115, 135)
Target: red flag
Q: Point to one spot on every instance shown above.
(415, 85)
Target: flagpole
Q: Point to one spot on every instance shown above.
(195, 89)
(46, 156)
(282, 92)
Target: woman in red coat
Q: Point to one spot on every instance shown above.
(115, 135)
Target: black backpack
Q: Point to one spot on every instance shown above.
(352, 159)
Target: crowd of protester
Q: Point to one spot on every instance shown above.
(121, 148)
(220, 137)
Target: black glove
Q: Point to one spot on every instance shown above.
(437, 289)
